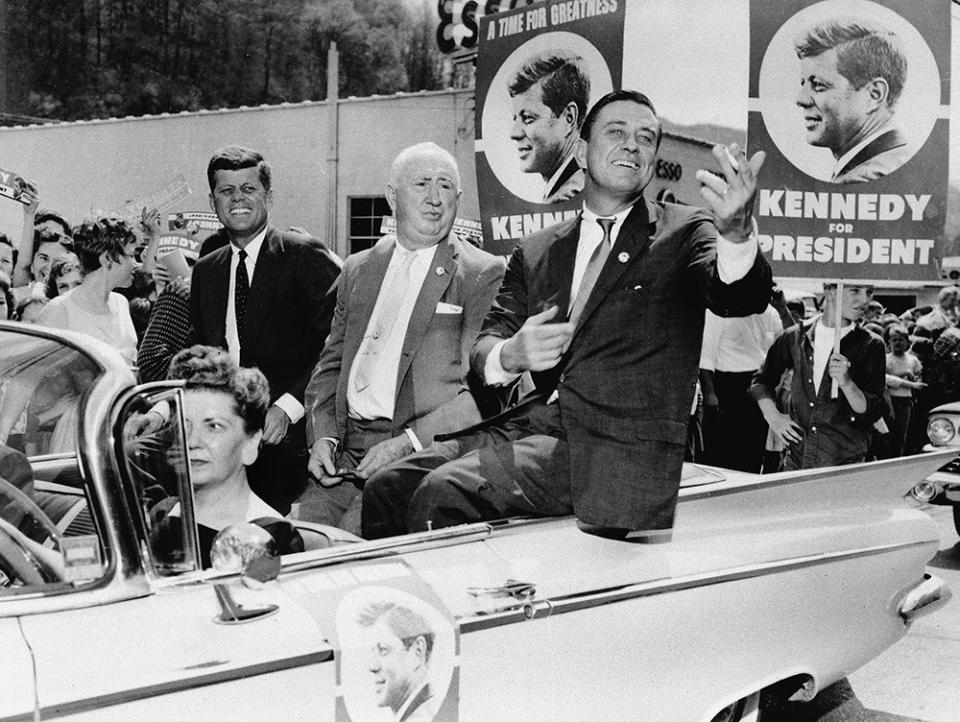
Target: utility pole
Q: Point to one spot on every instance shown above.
(333, 146)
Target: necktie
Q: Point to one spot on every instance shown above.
(240, 292)
(381, 323)
(592, 272)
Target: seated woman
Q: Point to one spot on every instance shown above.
(224, 410)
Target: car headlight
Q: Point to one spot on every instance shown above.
(940, 431)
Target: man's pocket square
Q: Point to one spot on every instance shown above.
(449, 308)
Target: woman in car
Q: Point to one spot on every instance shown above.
(224, 409)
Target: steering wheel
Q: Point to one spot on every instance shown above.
(26, 560)
(16, 565)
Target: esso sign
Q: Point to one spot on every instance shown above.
(459, 26)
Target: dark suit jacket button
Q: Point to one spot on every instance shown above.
(562, 378)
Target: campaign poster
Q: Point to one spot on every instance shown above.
(186, 232)
(850, 101)
(525, 138)
(11, 186)
(396, 645)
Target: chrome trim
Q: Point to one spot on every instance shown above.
(304, 561)
(89, 704)
(737, 484)
(624, 592)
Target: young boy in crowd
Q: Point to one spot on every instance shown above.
(903, 377)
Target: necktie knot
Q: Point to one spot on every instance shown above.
(607, 225)
(243, 255)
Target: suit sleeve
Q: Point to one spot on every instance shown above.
(320, 395)
(744, 297)
(462, 410)
(507, 313)
(315, 274)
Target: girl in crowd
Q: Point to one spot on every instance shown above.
(108, 248)
(65, 275)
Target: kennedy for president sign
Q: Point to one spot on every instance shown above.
(850, 100)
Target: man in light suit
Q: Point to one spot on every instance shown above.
(394, 372)
(606, 311)
(852, 73)
(264, 297)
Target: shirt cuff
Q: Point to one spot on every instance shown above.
(493, 371)
(734, 260)
(291, 407)
(417, 446)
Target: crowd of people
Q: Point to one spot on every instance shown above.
(425, 383)
(761, 406)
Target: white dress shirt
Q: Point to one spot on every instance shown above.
(287, 402)
(377, 400)
(737, 344)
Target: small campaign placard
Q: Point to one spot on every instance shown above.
(11, 186)
(396, 645)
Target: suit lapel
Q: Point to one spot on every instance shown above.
(556, 270)
(262, 285)
(434, 286)
(369, 280)
(216, 301)
(633, 238)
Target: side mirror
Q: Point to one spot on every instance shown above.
(251, 552)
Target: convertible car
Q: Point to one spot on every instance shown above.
(772, 585)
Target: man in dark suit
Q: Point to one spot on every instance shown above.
(606, 311)
(264, 297)
(418, 376)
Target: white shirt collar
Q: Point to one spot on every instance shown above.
(590, 218)
(252, 248)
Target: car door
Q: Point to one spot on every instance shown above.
(165, 656)
(17, 686)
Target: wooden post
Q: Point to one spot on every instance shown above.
(837, 320)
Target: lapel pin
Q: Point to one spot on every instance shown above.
(440, 270)
(623, 257)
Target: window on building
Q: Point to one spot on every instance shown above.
(366, 214)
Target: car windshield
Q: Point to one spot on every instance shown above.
(48, 536)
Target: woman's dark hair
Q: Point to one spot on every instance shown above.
(58, 268)
(49, 216)
(95, 235)
(211, 369)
